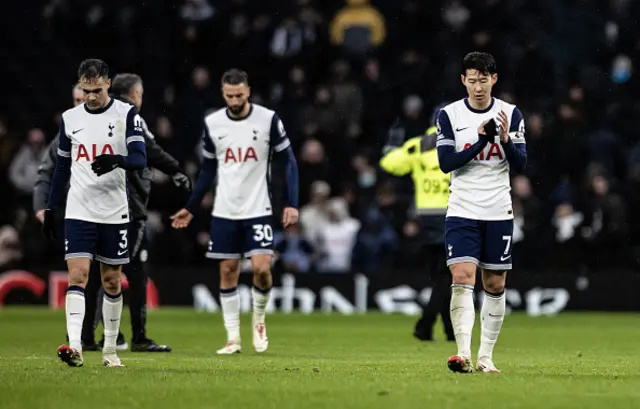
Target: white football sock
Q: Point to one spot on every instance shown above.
(75, 307)
(463, 316)
(491, 317)
(230, 301)
(260, 300)
(111, 313)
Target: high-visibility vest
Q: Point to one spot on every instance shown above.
(431, 185)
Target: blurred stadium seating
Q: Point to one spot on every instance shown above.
(343, 89)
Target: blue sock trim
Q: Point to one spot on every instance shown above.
(494, 295)
(261, 290)
(112, 297)
(228, 292)
(75, 289)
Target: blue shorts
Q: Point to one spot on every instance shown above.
(485, 243)
(107, 242)
(235, 239)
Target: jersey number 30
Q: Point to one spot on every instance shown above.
(262, 232)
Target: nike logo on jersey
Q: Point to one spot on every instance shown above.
(76, 131)
(263, 244)
(222, 137)
(461, 129)
(121, 252)
(503, 258)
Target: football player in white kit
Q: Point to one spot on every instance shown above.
(479, 221)
(99, 141)
(238, 144)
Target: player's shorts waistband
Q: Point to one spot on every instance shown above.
(479, 219)
(239, 218)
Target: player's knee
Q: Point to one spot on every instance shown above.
(229, 269)
(262, 274)
(78, 275)
(494, 283)
(111, 281)
(463, 273)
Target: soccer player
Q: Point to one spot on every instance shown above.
(128, 88)
(238, 145)
(99, 141)
(479, 221)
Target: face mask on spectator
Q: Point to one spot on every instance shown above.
(621, 72)
(366, 179)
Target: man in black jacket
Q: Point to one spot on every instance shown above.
(129, 88)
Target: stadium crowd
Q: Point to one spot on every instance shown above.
(349, 78)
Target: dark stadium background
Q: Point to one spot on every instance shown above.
(571, 67)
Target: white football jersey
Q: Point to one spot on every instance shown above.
(99, 199)
(480, 190)
(243, 149)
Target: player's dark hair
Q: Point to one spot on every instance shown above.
(235, 77)
(92, 69)
(122, 84)
(482, 62)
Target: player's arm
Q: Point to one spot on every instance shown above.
(136, 158)
(513, 143)
(59, 181)
(281, 146)
(165, 163)
(45, 174)
(207, 175)
(398, 160)
(449, 159)
(205, 180)
(62, 170)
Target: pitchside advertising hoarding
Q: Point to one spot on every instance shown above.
(401, 292)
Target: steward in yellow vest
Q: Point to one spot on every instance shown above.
(418, 157)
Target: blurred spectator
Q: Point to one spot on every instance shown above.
(313, 166)
(10, 253)
(347, 94)
(455, 15)
(295, 252)
(288, 39)
(193, 104)
(337, 239)
(607, 224)
(358, 27)
(365, 175)
(23, 172)
(527, 222)
(566, 249)
(315, 214)
(392, 207)
(375, 243)
(196, 11)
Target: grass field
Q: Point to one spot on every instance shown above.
(320, 361)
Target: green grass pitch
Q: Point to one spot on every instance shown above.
(585, 360)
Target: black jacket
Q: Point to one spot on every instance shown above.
(139, 182)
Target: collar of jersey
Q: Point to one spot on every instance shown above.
(239, 119)
(479, 111)
(101, 110)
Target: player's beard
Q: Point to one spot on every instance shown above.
(237, 110)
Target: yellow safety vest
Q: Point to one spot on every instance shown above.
(430, 183)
